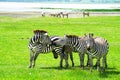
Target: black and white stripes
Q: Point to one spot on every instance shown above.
(42, 43)
(97, 48)
(77, 44)
(94, 47)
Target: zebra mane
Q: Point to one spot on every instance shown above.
(39, 31)
(72, 36)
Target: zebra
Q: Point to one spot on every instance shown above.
(97, 48)
(64, 14)
(40, 37)
(86, 13)
(75, 44)
(38, 45)
(56, 14)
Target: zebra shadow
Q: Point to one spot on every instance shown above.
(57, 67)
(109, 71)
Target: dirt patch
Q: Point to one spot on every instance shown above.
(71, 14)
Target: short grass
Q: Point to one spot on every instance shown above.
(14, 53)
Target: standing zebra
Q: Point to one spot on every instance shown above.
(42, 43)
(97, 48)
(40, 37)
(64, 14)
(76, 44)
(86, 13)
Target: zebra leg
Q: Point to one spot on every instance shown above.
(31, 58)
(67, 15)
(71, 57)
(66, 59)
(98, 64)
(61, 60)
(88, 60)
(104, 63)
(91, 63)
(36, 55)
(81, 60)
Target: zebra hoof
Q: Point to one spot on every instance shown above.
(82, 66)
(67, 65)
(61, 67)
(30, 66)
(98, 69)
(33, 65)
(73, 65)
(87, 65)
(90, 70)
(103, 70)
(95, 66)
(105, 66)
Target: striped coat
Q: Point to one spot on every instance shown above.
(39, 43)
(97, 48)
(75, 44)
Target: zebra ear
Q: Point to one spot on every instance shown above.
(91, 34)
(46, 34)
(64, 35)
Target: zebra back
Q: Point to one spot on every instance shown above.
(97, 47)
(77, 43)
(101, 45)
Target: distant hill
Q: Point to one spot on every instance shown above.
(65, 1)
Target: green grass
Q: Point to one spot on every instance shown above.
(14, 53)
(103, 10)
(90, 10)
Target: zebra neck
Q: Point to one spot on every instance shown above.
(93, 50)
(73, 42)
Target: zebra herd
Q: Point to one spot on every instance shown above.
(93, 47)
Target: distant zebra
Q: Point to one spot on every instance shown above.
(86, 13)
(56, 14)
(64, 14)
(39, 43)
(76, 44)
(97, 48)
(43, 14)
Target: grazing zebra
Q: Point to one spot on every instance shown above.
(56, 14)
(75, 44)
(97, 48)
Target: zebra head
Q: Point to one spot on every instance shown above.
(42, 36)
(89, 41)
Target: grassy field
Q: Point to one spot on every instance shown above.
(14, 53)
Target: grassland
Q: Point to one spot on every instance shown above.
(103, 10)
(14, 53)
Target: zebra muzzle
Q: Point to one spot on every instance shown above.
(88, 47)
